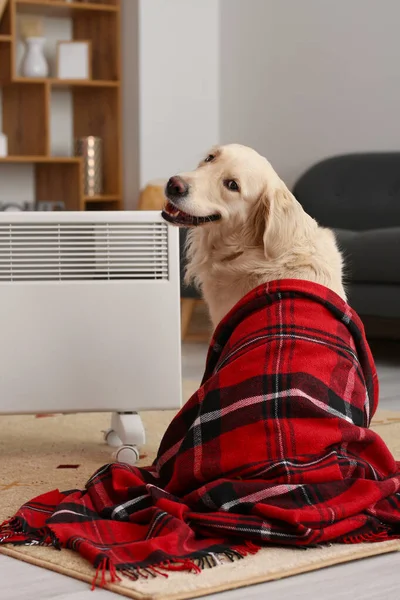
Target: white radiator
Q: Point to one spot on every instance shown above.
(89, 309)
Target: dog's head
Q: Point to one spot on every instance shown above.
(235, 188)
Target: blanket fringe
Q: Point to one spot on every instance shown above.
(14, 531)
(190, 565)
(6, 530)
(105, 565)
(134, 573)
(382, 535)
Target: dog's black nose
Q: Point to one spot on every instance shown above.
(177, 187)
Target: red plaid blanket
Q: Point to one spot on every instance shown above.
(274, 448)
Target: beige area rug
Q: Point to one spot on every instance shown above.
(62, 451)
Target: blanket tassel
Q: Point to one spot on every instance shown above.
(368, 538)
(6, 530)
(189, 565)
(14, 531)
(101, 572)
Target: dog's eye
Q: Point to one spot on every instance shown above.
(231, 185)
(209, 158)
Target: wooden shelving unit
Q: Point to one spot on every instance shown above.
(96, 103)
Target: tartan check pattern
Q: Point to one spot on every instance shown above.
(274, 448)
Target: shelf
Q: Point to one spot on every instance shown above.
(5, 38)
(102, 198)
(40, 159)
(54, 82)
(83, 83)
(61, 8)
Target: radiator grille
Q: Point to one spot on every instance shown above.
(79, 251)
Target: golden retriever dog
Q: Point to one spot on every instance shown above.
(246, 229)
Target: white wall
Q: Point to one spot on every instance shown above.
(302, 80)
(178, 84)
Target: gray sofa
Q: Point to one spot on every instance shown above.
(358, 196)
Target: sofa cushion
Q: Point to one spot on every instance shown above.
(355, 191)
(371, 256)
(377, 300)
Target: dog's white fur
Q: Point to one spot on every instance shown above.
(263, 234)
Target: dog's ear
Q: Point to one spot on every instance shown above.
(276, 221)
(257, 222)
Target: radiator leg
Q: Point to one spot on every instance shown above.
(129, 428)
(127, 433)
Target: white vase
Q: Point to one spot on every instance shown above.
(35, 63)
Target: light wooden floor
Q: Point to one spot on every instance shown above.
(369, 579)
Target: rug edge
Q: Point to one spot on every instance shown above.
(72, 573)
(369, 552)
(282, 575)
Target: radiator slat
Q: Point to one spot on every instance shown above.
(70, 271)
(82, 238)
(116, 227)
(83, 277)
(68, 252)
(80, 258)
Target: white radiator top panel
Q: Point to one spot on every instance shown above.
(65, 251)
